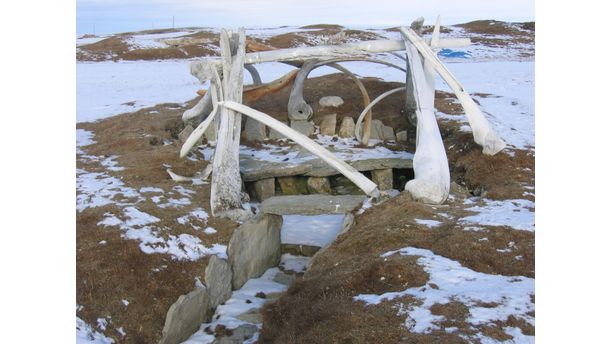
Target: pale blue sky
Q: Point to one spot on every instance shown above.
(129, 15)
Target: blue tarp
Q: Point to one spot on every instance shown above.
(454, 53)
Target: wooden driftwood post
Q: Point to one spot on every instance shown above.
(226, 185)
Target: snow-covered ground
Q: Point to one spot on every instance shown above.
(96, 189)
(105, 89)
(488, 297)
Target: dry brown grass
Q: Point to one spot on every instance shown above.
(108, 273)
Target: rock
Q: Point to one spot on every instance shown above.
(254, 130)
(376, 129)
(264, 189)
(328, 125)
(347, 223)
(331, 101)
(252, 315)
(299, 250)
(275, 135)
(383, 178)
(293, 185)
(183, 135)
(319, 185)
(387, 133)
(218, 278)
(254, 247)
(283, 278)
(185, 316)
(303, 127)
(347, 128)
(402, 136)
(238, 336)
(344, 186)
(255, 169)
(311, 204)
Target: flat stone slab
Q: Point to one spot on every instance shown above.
(311, 204)
(253, 169)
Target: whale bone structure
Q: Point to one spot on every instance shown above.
(221, 106)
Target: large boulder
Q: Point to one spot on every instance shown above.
(383, 179)
(303, 127)
(331, 101)
(254, 130)
(293, 185)
(328, 125)
(185, 316)
(402, 136)
(387, 133)
(347, 128)
(319, 185)
(254, 248)
(218, 278)
(263, 189)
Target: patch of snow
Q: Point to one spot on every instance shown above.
(86, 335)
(428, 223)
(317, 230)
(290, 262)
(111, 164)
(151, 189)
(83, 138)
(511, 296)
(367, 204)
(210, 230)
(183, 190)
(96, 189)
(121, 331)
(102, 323)
(515, 213)
(227, 313)
(175, 203)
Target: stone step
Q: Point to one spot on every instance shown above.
(311, 204)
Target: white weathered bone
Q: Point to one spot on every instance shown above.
(202, 69)
(197, 133)
(297, 108)
(432, 178)
(483, 133)
(200, 176)
(254, 74)
(347, 170)
(201, 109)
(225, 191)
(369, 107)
